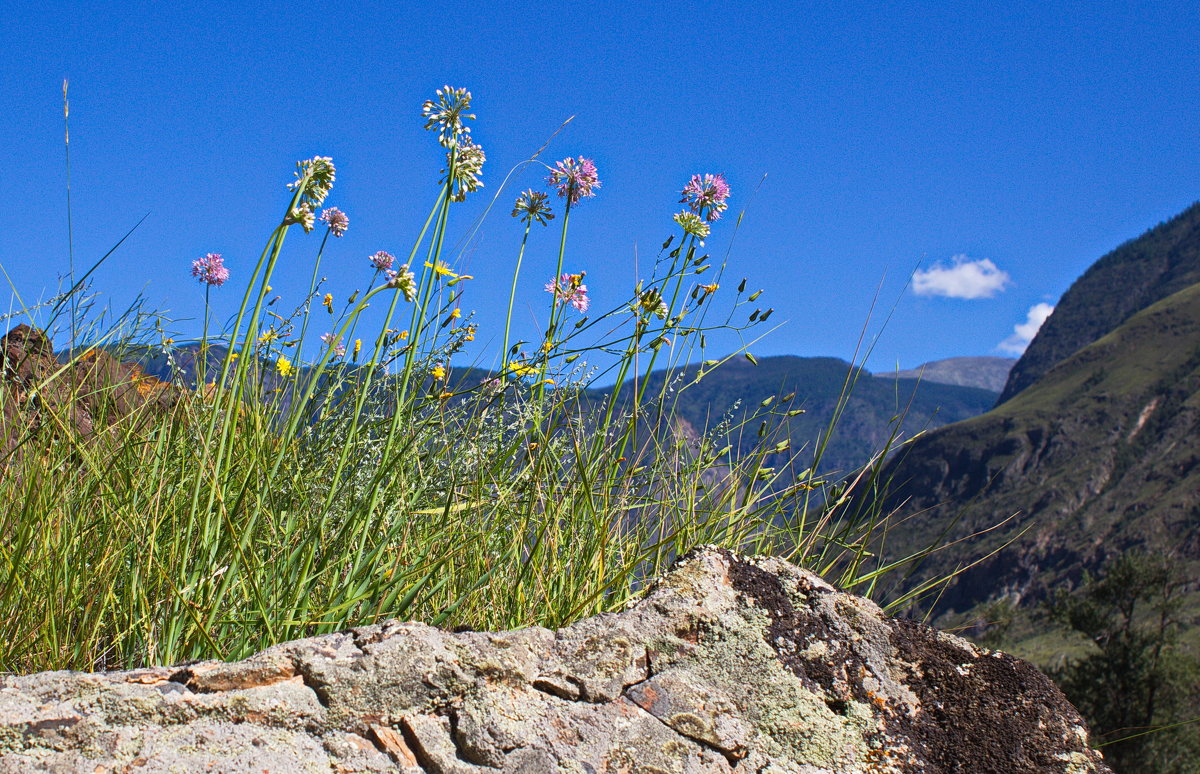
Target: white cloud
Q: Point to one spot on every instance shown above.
(1023, 333)
(961, 278)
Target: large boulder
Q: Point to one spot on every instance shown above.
(725, 664)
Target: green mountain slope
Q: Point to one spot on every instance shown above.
(1164, 260)
(1099, 456)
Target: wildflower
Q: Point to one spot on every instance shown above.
(438, 372)
(168, 342)
(692, 224)
(327, 302)
(470, 333)
(302, 216)
(651, 301)
(570, 288)
(521, 369)
(268, 336)
(441, 269)
(284, 366)
(710, 288)
(337, 221)
(468, 166)
(531, 205)
(319, 173)
(706, 196)
(357, 347)
(446, 114)
(455, 313)
(492, 387)
(575, 179)
(211, 269)
(334, 342)
(403, 281)
(382, 260)
(403, 335)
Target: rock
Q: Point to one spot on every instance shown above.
(725, 664)
(40, 396)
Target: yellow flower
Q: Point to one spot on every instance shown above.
(710, 288)
(438, 372)
(457, 313)
(268, 336)
(168, 342)
(284, 366)
(357, 346)
(521, 369)
(441, 269)
(328, 302)
(404, 335)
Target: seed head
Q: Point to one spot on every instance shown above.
(446, 113)
(531, 205)
(403, 281)
(468, 166)
(692, 224)
(316, 175)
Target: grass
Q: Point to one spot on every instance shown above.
(282, 499)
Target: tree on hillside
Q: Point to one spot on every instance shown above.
(1138, 689)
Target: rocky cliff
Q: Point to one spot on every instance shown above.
(725, 664)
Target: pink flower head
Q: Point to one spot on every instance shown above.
(337, 221)
(575, 179)
(210, 269)
(382, 261)
(570, 288)
(335, 343)
(706, 196)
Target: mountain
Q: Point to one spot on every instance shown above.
(1096, 457)
(732, 391)
(738, 388)
(1163, 261)
(987, 373)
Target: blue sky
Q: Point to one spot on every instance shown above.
(933, 136)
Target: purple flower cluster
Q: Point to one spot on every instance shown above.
(706, 196)
(334, 342)
(569, 288)
(383, 261)
(337, 221)
(210, 269)
(575, 179)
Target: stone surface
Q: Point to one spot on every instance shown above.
(725, 664)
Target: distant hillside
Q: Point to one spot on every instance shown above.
(737, 388)
(817, 383)
(1098, 456)
(987, 373)
(1164, 260)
